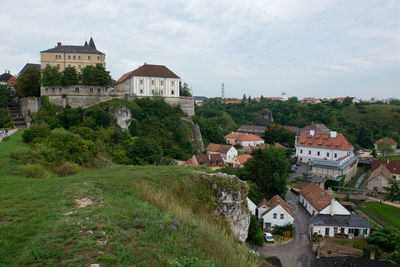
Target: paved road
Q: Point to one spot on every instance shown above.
(360, 179)
(298, 252)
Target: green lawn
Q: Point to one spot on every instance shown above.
(7, 165)
(386, 213)
(139, 216)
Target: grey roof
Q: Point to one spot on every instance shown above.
(200, 98)
(86, 48)
(351, 220)
(30, 65)
(5, 77)
(310, 178)
(252, 129)
(332, 164)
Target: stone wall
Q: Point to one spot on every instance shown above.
(29, 104)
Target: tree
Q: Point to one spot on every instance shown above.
(70, 76)
(28, 82)
(5, 96)
(95, 75)
(255, 234)
(184, 89)
(385, 147)
(268, 169)
(145, 150)
(393, 192)
(278, 134)
(51, 76)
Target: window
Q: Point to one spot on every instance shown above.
(162, 83)
(98, 57)
(69, 57)
(318, 153)
(79, 66)
(172, 92)
(268, 225)
(69, 65)
(141, 91)
(335, 155)
(152, 91)
(162, 92)
(79, 57)
(141, 81)
(309, 152)
(91, 89)
(56, 56)
(275, 215)
(98, 89)
(47, 65)
(53, 89)
(152, 82)
(301, 151)
(76, 89)
(46, 89)
(60, 89)
(58, 66)
(88, 57)
(172, 83)
(74, 57)
(282, 216)
(327, 154)
(365, 231)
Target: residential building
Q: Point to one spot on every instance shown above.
(318, 201)
(392, 143)
(199, 100)
(232, 100)
(27, 65)
(335, 169)
(252, 207)
(379, 179)
(212, 161)
(243, 139)
(274, 212)
(393, 166)
(307, 178)
(12, 82)
(78, 56)
(310, 100)
(317, 127)
(322, 146)
(5, 77)
(150, 80)
(227, 152)
(252, 129)
(240, 160)
(350, 226)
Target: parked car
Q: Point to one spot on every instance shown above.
(268, 237)
(293, 168)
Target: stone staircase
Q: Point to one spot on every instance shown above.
(15, 113)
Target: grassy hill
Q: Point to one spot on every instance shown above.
(118, 215)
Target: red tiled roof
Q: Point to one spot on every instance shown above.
(232, 100)
(324, 140)
(393, 166)
(209, 160)
(316, 196)
(243, 136)
(190, 162)
(277, 200)
(263, 202)
(381, 171)
(389, 140)
(317, 127)
(243, 158)
(218, 148)
(149, 70)
(12, 81)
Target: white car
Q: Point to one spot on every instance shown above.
(268, 237)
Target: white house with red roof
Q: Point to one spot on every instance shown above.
(244, 139)
(227, 152)
(274, 212)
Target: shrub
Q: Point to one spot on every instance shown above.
(367, 251)
(67, 168)
(35, 171)
(279, 230)
(41, 130)
(255, 234)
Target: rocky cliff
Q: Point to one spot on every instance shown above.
(230, 195)
(123, 116)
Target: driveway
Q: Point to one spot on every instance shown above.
(298, 252)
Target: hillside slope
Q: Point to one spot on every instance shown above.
(118, 215)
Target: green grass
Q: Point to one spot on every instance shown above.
(383, 212)
(148, 216)
(9, 166)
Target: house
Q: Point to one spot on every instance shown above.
(321, 145)
(27, 65)
(243, 139)
(351, 226)
(5, 77)
(252, 207)
(199, 100)
(212, 161)
(227, 152)
(240, 160)
(310, 100)
(307, 178)
(335, 169)
(252, 129)
(318, 201)
(393, 166)
(12, 82)
(274, 212)
(379, 179)
(78, 56)
(232, 100)
(392, 143)
(150, 80)
(317, 127)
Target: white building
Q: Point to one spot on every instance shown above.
(244, 139)
(351, 226)
(274, 212)
(149, 80)
(322, 146)
(252, 207)
(227, 152)
(318, 201)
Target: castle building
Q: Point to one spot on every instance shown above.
(77, 56)
(149, 80)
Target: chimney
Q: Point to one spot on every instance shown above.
(332, 206)
(59, 44)
(312, 132)
(333, 134)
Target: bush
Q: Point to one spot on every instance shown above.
(35, 171)
(255, 234)
(36, 131)
(67, 168)
(279, 230)
(367, 251)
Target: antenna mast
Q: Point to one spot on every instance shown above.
(223, 90)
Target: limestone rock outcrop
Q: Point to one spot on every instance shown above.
(123, 116)
(230, 194)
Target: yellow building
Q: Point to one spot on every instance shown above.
(77, 56)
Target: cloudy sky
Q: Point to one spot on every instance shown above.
(320, 48)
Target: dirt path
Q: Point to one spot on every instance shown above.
(10, 132)
(374, 199)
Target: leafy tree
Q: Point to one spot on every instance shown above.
(184, 89)
(71, 117)
(95, 75)
(278, 134)
(28, 82)
(5, 119)
(268, 169)
(36, 130)
(393, 192)
(70, 76)
(145, 150)
(51, 76)
(385, 148)
(5, 96)
(387, 238)
(255, 234)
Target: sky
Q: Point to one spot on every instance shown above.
(306, 48)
